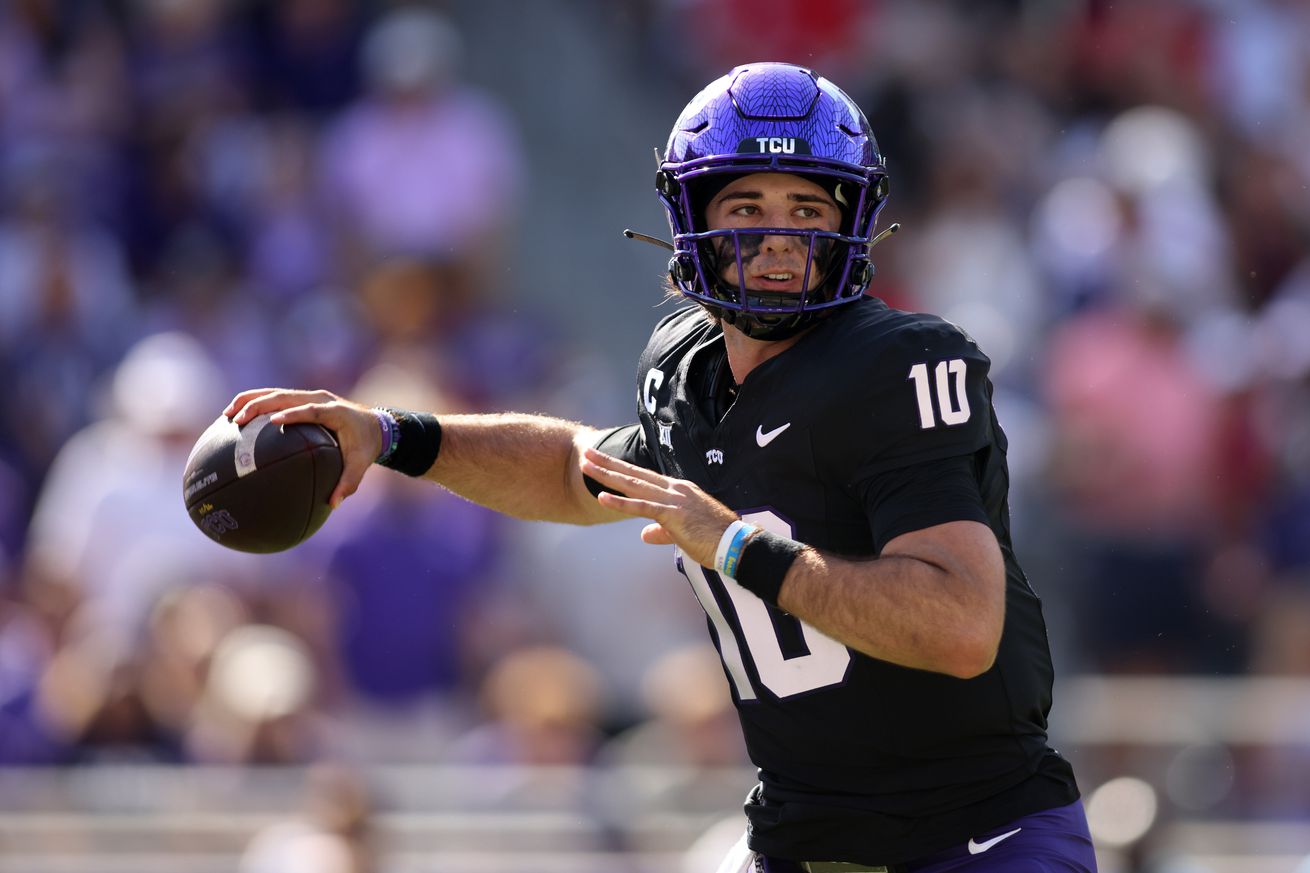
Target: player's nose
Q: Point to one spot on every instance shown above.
(779, 243)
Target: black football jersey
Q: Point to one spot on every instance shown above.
(840, 442)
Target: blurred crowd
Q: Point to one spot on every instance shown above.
(204, 196)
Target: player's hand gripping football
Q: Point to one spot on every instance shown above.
(684, 515)
(356, 427)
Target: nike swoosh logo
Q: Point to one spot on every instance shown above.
(976, 848)
(763, 439)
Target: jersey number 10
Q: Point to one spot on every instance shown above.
(954, 411)
(825, 663)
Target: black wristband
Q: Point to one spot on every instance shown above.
(418, 444)
(764, 564)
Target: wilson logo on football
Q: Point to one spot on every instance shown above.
(199, 484)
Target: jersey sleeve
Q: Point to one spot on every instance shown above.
(919, 413)
(925, 396)
(627, 443)
(922, 495)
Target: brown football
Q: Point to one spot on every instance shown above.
(261, 487)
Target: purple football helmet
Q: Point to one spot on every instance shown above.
(771, 117)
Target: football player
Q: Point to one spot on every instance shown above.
(833, 477)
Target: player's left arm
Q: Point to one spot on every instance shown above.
(933, 600)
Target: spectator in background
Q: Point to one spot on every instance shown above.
(332, 835)
(190, 74)
(421, 164)
(1136, 431)
(404, 639)
(107, 523)
(67, 312)
(412, 306)
(972, 264)
(259, 704)
(830, 34)
(15, 494)
(690, 718)
(307, 54)
(185, 627)
(542, 707)
(27, 643)
(203, 293)
(91, 698)
(551, 568)
(64, 103)
(288, 250)
(425, 317)
(407, 647)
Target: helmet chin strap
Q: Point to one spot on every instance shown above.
(779, 327)
(770, 327)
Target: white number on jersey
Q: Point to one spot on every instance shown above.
(827, 661)
(954, 410)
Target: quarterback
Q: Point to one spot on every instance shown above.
(833, 478)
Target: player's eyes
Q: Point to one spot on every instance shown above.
(753, 210)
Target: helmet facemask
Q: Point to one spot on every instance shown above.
(725, 256)
(712, 266)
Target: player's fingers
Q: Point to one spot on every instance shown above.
(630, 485)
(249, 404)
(631, 506)
(278, 400)
(356, 431)
(656, 535)
(352, 473)
(245, 397)
(609, 462)
(357, 452)
(305, 412)
(353, 435)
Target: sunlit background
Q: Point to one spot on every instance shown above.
(421, 205)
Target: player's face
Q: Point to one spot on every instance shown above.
(772, 262)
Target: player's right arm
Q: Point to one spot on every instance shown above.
(527, 466)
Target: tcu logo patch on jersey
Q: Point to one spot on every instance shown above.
(714, 456)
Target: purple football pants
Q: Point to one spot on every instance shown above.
(1052, 841)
